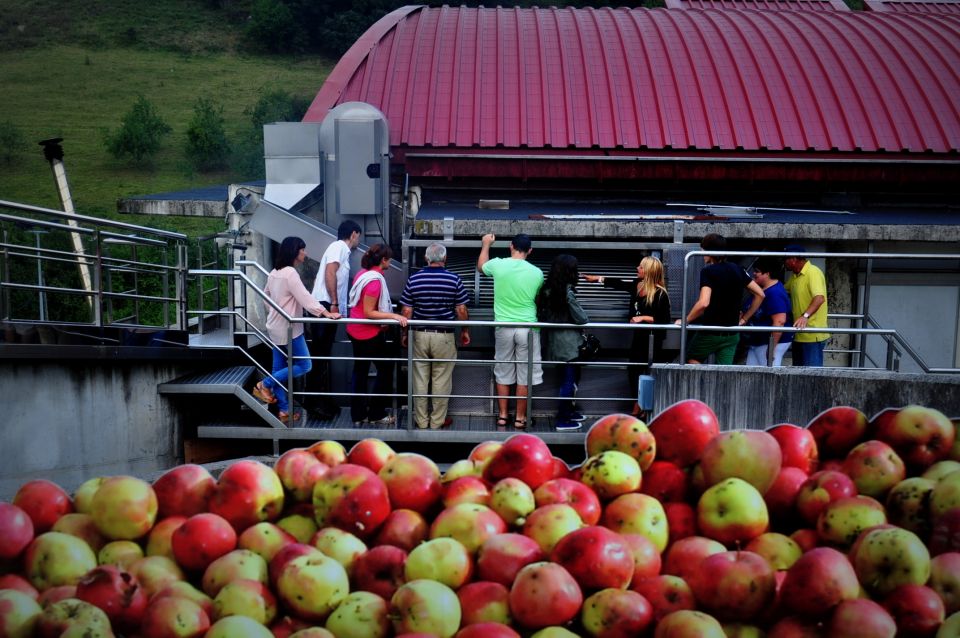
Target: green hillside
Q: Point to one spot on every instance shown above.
(72, 70)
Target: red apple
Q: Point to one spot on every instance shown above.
(201, 539)
(16, 530)
(403, 528)
(751, 455)
(286, 554)
(266, 539)
(155, 573)
(874, 467)
(917, 610)
(734, 586)
(380, 570)
(616, 613)
(352, 498)
(413, 482)
(485, 630)
(522, 456)
(501, 557)
(684, 557)
(636, 513)
(298, 471)
(921, 436)
(183, 490)
(596, 557)
(116, 592)
(837, 430)
(19, 614)
(683, 430)
(83, 527)
(174, 617)
(797, 445)
(689, 624)
(781, 497)
(665, 481)
(466, 489)
(573, 493)
(484, 601)
(820, 490)
(666, 594)
(544, 594)
(54, 594)
(371, 453)
(681, 520)
(819, 581)
(646, 557)
(19, 583)
(160, 538)
(246, 493)
(44, 502)
(183, 589)
(861, 618)
(794, 627)
(945, 580)
(623, 433)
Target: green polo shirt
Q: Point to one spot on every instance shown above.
(515, 286)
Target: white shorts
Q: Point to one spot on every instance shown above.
(510, 346)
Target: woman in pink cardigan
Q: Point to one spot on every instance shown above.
(285, 288)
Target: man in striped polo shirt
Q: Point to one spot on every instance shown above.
(435, 294)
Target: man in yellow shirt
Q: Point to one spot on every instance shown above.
(808, 297)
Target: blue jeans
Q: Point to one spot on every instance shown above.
(808, 354)
(569, 376)
(281, 371)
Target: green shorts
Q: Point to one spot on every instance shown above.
(703, 344)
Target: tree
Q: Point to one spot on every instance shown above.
(207, 147)
(140, 133)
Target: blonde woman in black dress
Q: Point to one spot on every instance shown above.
(649, 303)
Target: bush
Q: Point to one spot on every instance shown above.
(140, 133)
(12, 142)
(274, 28)
(207, 147)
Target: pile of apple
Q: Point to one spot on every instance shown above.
(848, 527)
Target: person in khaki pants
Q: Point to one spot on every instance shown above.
(434, 294)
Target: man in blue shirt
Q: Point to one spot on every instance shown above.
(434, 294)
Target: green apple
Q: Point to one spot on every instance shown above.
(81, 526)
(124, 508)
(841, 521)
(940, 469)
(886, 557)
(908, 504)
(73, 618)
(425, 606)
(732, 511)
(469, 523)
(122, 554)
(240, 563)
(360, 615)
(512, 500)
(300, 526)
(18, 614)
(83, 496)
(339, 545)
(946, 494)
(751, 455)
(687, 623)
(638, 514)
(444, 560)
(236, 626)
(611, 473)
(312, 586)
(54, 558)
(156, 572)
(461, 468)
(549, 523)
(554, 632)
(779, 550)
(950, 627)
(245, 597)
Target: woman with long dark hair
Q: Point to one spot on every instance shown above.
(649, 303)
(370, 299)
(557, 303)
(287, 291)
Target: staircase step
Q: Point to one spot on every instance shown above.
(224, 381)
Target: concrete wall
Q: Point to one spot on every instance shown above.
(759, 397)
(74, 420)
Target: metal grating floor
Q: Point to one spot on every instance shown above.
(225, 381)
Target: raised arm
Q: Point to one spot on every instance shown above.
(485, 242)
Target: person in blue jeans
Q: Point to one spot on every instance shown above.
(286, 290)
(557, 303)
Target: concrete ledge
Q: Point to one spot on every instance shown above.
(747, 397)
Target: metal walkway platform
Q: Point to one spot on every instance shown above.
(229, 381)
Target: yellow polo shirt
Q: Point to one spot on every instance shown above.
(803, 287)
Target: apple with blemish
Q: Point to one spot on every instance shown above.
(352, 498)
(444, 560)
(404, 529)
(573, 493)
(842, 521)
(751, 455)
(638, 514)
(235, 565)
(247, 492)
(360, 615)
(623, 433)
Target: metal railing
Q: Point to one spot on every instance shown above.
(116, 294)
(239, 317)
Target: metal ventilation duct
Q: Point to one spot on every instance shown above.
(293, 162)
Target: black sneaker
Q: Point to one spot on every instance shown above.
(567, 426)
(578, 417)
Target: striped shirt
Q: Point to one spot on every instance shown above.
(433, 293)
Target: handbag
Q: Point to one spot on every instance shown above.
(589, 347)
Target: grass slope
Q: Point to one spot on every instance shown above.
(85, 83)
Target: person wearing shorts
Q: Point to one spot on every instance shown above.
(515, 285)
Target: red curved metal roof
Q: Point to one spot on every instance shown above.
(615, 80)
(775, 5)
(914, 6)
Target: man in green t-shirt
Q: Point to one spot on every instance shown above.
(515, 285)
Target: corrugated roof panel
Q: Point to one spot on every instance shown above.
(942, 7)
(631, 79)
(770, 5)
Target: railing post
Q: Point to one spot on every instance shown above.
(770, 348)
(291, 407)
(683, 310)
(410, 392)
(98, 286)
(865, 311)
(530, 373)
(183, 266)
(889, 354)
